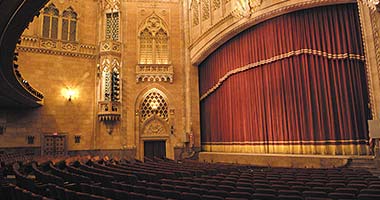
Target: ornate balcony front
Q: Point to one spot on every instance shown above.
(109, 111)
(110, 47)
(154, 73)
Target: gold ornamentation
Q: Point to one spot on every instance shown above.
(277, 58)
(154, 128)
(245, 8)
(367, 67)
(109, 111)
(215, 4)
(70, 46)
(110, 46)
(49, 44)
(56, 47)
(372, 4)
(111, 5)
(205, 9)
(195, 12)
(154, 105)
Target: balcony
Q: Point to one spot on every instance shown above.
(154, 73)
(109, 111)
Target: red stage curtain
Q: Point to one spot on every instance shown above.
(307, 86)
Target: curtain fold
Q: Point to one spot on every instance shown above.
(292, 84)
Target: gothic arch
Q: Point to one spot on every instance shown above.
(153, 23)
(153, 126)
(153, 40)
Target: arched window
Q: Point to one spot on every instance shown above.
(146, 48)
(69, 25)
(112, 26)
(162, 49)
(50, 22)
(154, 42)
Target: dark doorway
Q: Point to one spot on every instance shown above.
(155, 149)
(54, 145)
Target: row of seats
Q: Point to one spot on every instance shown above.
(91, 178)
(9, 158)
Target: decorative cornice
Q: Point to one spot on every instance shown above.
(277, 58)
(57, 47)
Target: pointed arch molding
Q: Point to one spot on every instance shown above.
(208, 39)
(153, 122)
(154, 55)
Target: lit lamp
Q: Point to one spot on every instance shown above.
(69, 93)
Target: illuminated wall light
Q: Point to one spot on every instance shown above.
(69, 93)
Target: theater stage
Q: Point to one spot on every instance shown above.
(279, 160)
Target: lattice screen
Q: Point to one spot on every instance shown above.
(112, 26)
(154, 103)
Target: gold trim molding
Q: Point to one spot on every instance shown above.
(346, 149)
(277, 58)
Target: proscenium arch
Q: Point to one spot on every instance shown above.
(207, 42)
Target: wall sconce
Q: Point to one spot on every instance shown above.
(69, 93)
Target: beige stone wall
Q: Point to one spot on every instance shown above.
(134, 14)
(51, 70)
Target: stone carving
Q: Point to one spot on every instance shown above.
(195, 11)
(215, 4)
(109, 111)
(110, 45)
(49, 44)
(154, 128)
(69, 46)
(245, 8)
(154, 105)
(111, 5)
(154, 23)
(205, 9)
(154, 73)
(56, 47)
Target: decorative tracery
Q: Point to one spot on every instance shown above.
(154, 41)
(205, 9)
(50, 22)
(112, 26)
(195, 12)
(154, 103)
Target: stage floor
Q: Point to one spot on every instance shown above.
(279, 160)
